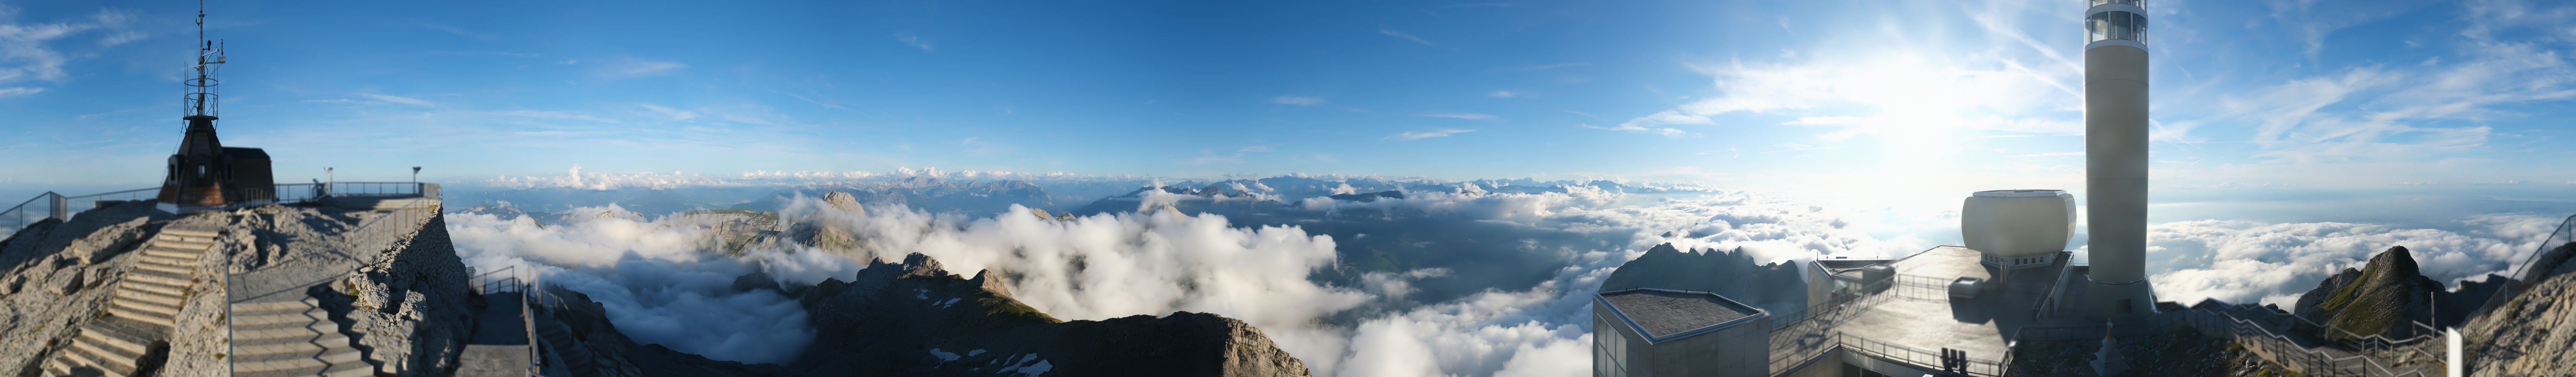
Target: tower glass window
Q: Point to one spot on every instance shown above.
(2115, 25)
(2139, 3)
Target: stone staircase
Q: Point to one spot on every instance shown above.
(559, 342)
(292, 338)
(141, 310)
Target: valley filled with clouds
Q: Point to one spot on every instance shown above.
(1353, 275)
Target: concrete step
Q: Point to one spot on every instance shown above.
(335, 370)
(106, 358)
(139, 292)
(121, 343)
(285, 334)
(314, 360)
(73, 363)
(140, 306)
(164, 278)
(183, 270)
(262, 307)
(154, 287)
(167, 260)
(278, 320)
(182, 244)
(287, 352)
(190, 232)
(172, 253)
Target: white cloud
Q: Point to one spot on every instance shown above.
(575, 178)
(659, 281)
(397, 99)
(915, 41)
(461, 32)
(1502, 94)
(1398, 34)
(1666, 131)
(27, 50)
(2254, 262)
(19, 91)
(1467, 116)
(674, 114)
(1886, 95)
(1414, 135)
(630, 67)
(1297, 100)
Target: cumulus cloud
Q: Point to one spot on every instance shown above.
(659, 281)
(2255, 262)
(1158, 262)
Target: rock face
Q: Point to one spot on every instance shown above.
(2531, 334)
(54, 278)
(2383, 298)
(914, 318)
(1776, 286)
(2390, 288)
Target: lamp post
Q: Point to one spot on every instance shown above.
(415, 174)
(328, 180)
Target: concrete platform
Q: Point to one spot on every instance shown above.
(1917, 316)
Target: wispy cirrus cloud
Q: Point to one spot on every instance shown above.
(1467, 116)
(461, 32)
(1297, 100)
(1419, 135)
(631, 67)
(915, 41)
(1666, 131)
(397, 99)
(1391, 32)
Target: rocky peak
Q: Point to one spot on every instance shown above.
(844, 202)
(2383, 298)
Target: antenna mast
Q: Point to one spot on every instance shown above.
(202, 99)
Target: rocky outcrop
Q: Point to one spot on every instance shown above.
(57, 278)
(1774, 286)
(914, 318)
(2386, 296)
(2532, 333)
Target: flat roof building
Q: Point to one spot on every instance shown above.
(1657, 332)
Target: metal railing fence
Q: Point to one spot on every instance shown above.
(50, 205)
(374, 188)
(1917, 356)
(2414, 359)
(2556, 250)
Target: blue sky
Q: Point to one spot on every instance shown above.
(1942, 96)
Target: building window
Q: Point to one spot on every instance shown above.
(2115, 25)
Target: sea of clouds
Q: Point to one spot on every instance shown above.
(657, 273)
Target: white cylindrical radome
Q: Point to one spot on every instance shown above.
(2018, 227)
(2115, 139)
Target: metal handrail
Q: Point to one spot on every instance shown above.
(2313, 361)
(369, 225)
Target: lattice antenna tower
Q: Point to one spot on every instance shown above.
(202, 98)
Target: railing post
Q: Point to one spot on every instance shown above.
(61, 211)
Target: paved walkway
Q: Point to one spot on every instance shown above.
(500, 346)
